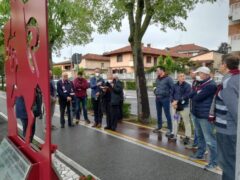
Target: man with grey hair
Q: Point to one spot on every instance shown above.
(65, 91)
(116, 96)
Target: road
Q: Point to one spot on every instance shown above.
(113, 158)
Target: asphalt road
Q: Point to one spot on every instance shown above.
(111, 158)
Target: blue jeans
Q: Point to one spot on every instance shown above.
(195, 141)
(206, 136)
(227, 155)
(165, 104)
(82, 101)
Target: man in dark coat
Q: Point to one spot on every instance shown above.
(65, 91)
(116, 97)
(202, 98)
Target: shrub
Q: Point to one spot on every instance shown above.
(126, 110)
(130, 85)
(89, 104)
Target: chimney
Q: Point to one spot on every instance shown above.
(149, 45)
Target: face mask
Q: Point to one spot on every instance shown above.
(198, 78)
(97, 74)
(109, 81)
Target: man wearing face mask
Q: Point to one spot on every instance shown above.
(202, 98)
(95, 84)
(226, 114)
(164, 87)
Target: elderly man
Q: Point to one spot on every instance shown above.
(226, 113)
(202, 98)
(116, 97)
(180, 102)
(65, 91)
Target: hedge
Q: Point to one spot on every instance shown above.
(130, 85)
(126, 108)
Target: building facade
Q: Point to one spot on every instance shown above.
(188, 50)
(121, 60)
(234, 26)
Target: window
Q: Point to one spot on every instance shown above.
(155, 61)
(102, 65)
(149, 59)
(67, 67)
(119, 58)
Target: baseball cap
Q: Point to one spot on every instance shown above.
(203, 69)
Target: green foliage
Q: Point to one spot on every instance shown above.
(89, 104)
(130, 85)
(57, 71)
(70, 22)
(160, 61)
(126, 110)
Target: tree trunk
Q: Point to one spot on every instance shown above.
(142, 94)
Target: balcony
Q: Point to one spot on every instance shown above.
(235, 12)
(235, 42)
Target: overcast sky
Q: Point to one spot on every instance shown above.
(207, 26)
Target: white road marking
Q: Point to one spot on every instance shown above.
(62, 156)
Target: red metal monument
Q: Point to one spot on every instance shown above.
(27, 67)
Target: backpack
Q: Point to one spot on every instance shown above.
(37, 106)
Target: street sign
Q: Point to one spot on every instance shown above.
(76, 58)
(13, 164)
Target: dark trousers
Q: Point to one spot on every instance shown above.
(83, 101)
(97, 110)
(164, 103)
(63, 106)
(121, 111)
(115, 112)
(226, 146)
(107, 109)
(25, 125)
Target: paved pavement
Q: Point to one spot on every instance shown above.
(118, 156)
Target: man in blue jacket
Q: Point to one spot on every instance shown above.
(180, 102)
(164, 86)
(95, 84)
(202, 98)
(65, 92)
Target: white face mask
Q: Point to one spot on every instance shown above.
(97, 74)
(109, 81)
(198, 78)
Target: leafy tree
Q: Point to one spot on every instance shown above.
(140, 14)
(70, 22)
(223, 48)
(57, 71)
(160, 61)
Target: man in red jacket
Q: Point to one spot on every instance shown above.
(80, 86)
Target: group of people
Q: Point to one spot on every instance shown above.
(212, 109)
(106, 97)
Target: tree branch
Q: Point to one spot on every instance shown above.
(130, 9)
(139, 13)
(148, 18)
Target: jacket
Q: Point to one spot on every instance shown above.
(202, 98)
(164, 87)
(80, 87)
(94, 87)
(65, 89)
(116, 93)
(181, 93)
